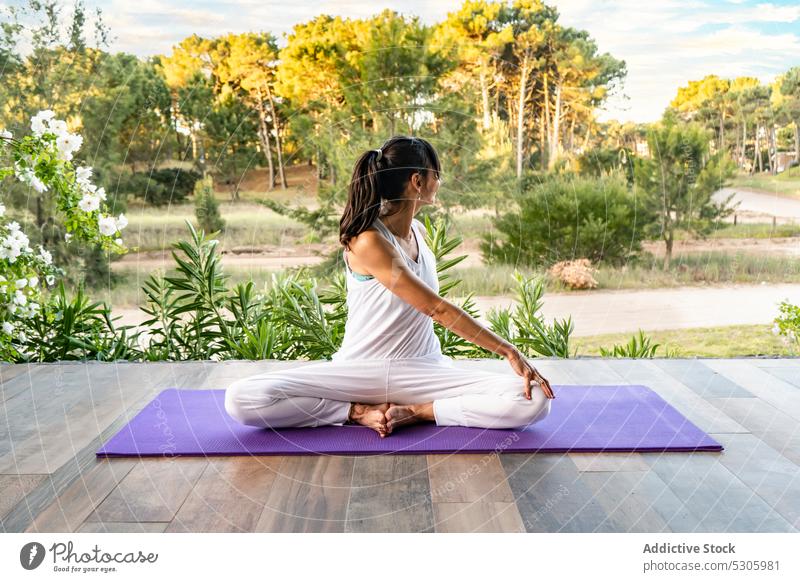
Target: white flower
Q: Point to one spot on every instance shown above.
(58, 126)
(100, 193)
(20, 283)
(775, 329)
(122, 222)
(13, 226)
(67, 236)
(50, 280)
(2, 209)
(20, 298)
(4, 133)
(22, 336)
(12, 309)
(118, 241)
(33, 281)
(89, 203)
(8, 328)
(68, 143)
(83, 174)
(45, 254)
(39, 121)
(107, 224)
(37, 184)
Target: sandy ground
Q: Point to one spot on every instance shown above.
(600, 312)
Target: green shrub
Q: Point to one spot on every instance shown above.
(639, 346)
(160, 187)
(567, 218)
(206, 208)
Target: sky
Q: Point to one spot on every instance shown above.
(664, 43)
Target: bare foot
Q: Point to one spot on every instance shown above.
(371, 415)
(403, 414)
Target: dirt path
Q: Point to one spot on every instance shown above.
(603, 312)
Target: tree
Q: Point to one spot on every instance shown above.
(679, 179)
(248, 62)
(790, 91)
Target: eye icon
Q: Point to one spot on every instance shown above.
(31, 555)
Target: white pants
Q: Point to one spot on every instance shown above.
(320, 393)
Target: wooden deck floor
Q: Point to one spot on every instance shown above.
(55, 416)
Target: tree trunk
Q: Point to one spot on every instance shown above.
(756, 156)
(547, 115)
(572, 134)
(523, 84)
(263, 135)
(555, 142)
(744, 143)
(668, 254)
(278, 146)
(722, 130)
(485, 99)
(542, 157)
(797, 140)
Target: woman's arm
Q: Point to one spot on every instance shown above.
(380, 259)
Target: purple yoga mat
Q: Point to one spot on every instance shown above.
(617, 418)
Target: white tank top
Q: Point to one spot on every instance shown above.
(380, 325)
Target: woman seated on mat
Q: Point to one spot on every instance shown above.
(390, 370)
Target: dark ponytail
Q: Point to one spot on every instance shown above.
(383, 175)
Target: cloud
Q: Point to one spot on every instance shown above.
(664, 43)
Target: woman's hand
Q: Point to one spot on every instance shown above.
(523, 368)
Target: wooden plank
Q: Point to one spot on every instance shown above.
(770, 475)
(19, 518)
(18, 379)
(714, 495)
(309, 494)
(551, 496)
(229, 496)
(69, 510)
(153, 490)
(390, 493)
(60, 424)
(774, 427)
(639, 501)
(10, 371)
(468, 477)
(609, 462)
(764, 385)
(14, 488)
(698, 410)
(766, 363)
(705, 382)
(789, 375)
(123, 527)
(477, 516)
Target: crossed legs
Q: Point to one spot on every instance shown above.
(402, 390)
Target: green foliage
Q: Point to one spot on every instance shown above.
(677, 181)
(565, 218)
(787, 324)
(639, 346)
(603, 161)
(74, 329)
(160, 187)
(206, 208)
(193, 315)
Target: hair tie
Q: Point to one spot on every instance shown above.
(380, 153)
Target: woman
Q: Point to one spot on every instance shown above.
(390, 370)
